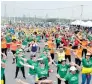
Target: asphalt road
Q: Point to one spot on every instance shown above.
(11, 68)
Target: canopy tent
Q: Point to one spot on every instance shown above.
(88, 24)
(77, 22)
(82, 23)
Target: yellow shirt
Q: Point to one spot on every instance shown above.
(61, 55)
(2, 82)
(13, 37)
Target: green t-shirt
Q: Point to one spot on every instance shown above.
(58, 40)
(24, 42)
(30, 39)
(42, 72)
(90, 38)
(46, 49)
(8, 39)
(18, 60)
(72, 78)
(87, 63)
(62, 69)
(17, 51)
(2, 69)
(35, 64)
(45, 59)
(38, 38)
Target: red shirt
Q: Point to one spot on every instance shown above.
(63, 39)
(47, 35)
(76, 42)
(66, 43)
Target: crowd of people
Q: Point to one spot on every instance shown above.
(61, 43)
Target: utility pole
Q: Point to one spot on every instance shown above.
(14, 15)
(46, 17)
(72, 13)
(81, 12)
(5, 11)
(58, 15)
(35, 19)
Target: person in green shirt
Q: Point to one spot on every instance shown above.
(89, 37)
(32, 72)
(73, 75)
(3, 65)
(86, 62)
(58, 41)
(30, 38)
(62, 70)
(45, 57)
(46, 48)
(18, 55)
(38, 38)
(24, 43)
(8, 39)
(41, 71)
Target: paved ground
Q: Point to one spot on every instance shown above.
(10, 70)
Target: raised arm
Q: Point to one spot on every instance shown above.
(77, 66)
(50, 62)
(21, 82)
(24, 59)
(3, 54)
(60, 78)
(27, 65)
(39, 59)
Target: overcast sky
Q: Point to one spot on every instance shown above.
(70, 9)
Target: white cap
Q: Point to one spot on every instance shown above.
(88, 54)
(46, 44)
(73, 68)
(20, 50)
(18, 44)
(63, 59)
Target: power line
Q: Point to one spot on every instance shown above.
(52, 9)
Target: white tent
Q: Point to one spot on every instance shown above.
(77, 22)
(88, 24)
(82, 23)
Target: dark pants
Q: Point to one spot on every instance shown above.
(86, 77)
(4, 78)
(59, 81)
(91, 56)
(4, 50)
(68, 57)
(74, 47)
(39, 49)
(17, 70)
(78, 61)
(57, 45)
(58, 63)
(52, 55)
(84, 52)
(13, 54)
(43, 78)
